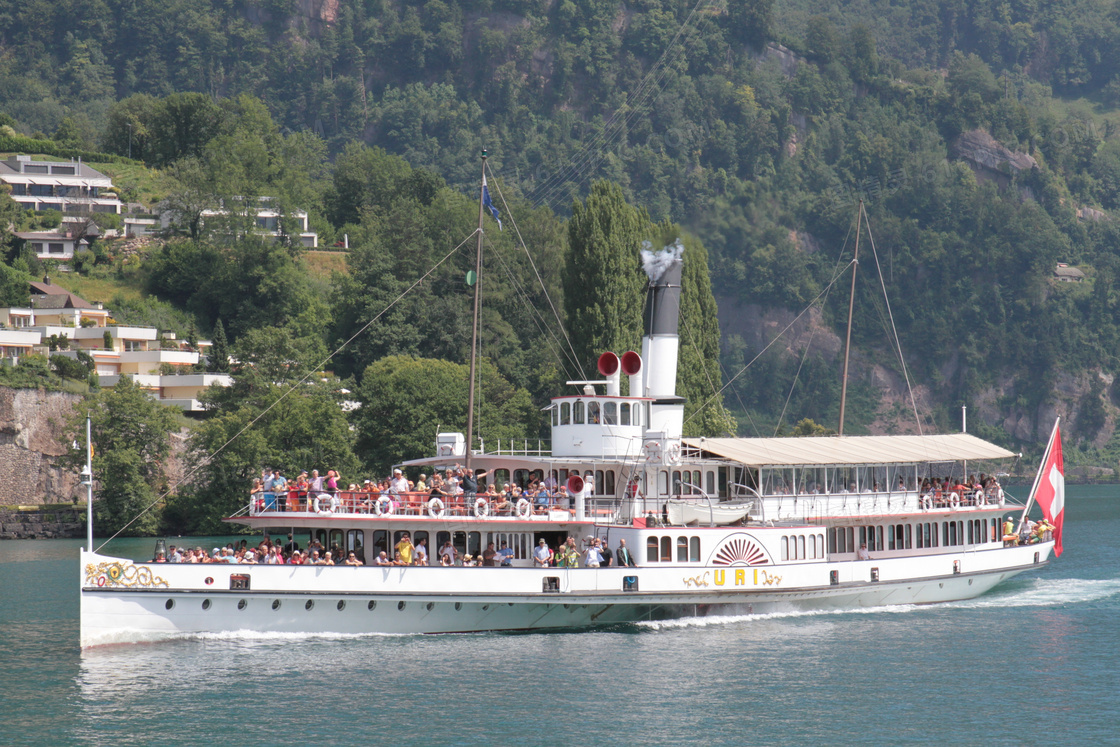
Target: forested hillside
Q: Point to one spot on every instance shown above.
(982, 137)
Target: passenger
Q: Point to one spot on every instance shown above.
(315, 558)
(446, 561)
(160, 558)
(624, 556)
(542, 556)
(296, 558)
(505, 556)
(488, 556)
(422, 552)
(399, 484)
(404, 549)
(568, 555)
(468, 561)
(382, 559)
(352, 560)
(447, 552)
(316, 483)
(862, 553)
(291, 546)
(280, 489)
(608, 557)
(422, 484)
(592, 557)
(398, 559)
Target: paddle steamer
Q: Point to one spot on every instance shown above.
(715, 525)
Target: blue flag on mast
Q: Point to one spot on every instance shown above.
(486, 203)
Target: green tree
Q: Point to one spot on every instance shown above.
(217, 361)
(405, 400)
(131, 442)
(15, 287)
(603, 280)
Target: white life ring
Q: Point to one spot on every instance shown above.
(379, 511)
(954, 500)
(481, 508)
(321, 508)
(673, 455)
(653, 451)
(524, 509)
(435, 508)
(979, 498)
(445, 450)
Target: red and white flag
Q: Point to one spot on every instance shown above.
(1051, 495)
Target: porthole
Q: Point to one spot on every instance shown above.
(970, 582)
(429, 606)
(400, 605)
(205, 604)
(371, 606)
(458, 606)
(341, 605)
(309, 605)
(169, 604)
(510, 603)
(275, 604)
(485, 607)
(241, 603)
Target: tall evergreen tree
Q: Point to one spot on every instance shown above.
(603, 279)
(218, 359)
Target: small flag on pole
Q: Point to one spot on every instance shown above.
(486, 203)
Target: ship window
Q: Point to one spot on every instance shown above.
(474, 543)
(812, 546)
(459, 542)
(801, 547)
(971, 534)
(666, 550)
(380, 541)
(676, 482)
(521, 477)
(623, 413)
(417, 538)
(682, 549)
(593, 413)
(785, 548)
(610, 413)
(850, 533)
(694, 550)
(710, 482)
(555, 415)
(565, 413)
(600, 483)
(663, 482)
(578, 412)
(354, 543)
(651, 550)
(608, 486)
(638, 419)
(832, 539)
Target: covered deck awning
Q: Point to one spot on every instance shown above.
(820, 451)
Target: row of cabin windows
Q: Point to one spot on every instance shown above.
(920, 535)
(593, 413)
(660, 549)
(467, 543)
(800, 547)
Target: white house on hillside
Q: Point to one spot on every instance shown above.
(267, 220)
(66, 186)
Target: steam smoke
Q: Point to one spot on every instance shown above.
(656, 263)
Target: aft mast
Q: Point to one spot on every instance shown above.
(851, 308)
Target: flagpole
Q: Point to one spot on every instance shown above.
(851, 309)
(87, 478)
(474, 327)
(1038, 477)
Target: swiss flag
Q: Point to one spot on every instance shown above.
(1051, 495)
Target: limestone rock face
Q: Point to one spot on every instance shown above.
(31, 441)
(984, 151)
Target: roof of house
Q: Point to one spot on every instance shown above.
(1063, 271)
(47, 296)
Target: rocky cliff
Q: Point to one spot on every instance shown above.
(31, 443)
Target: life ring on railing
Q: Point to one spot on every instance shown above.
(978, 498)
(318, 507)
(436, 508)
(481, 508)
(524, 509)
(653, 452)
(379, 511)
(445, 450)
(954, 500)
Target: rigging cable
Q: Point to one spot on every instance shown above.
(555, 313)
(897, 342)
(312, 372)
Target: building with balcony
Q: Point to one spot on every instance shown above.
(267, 220)
(53, 245)
(16, 343)
(66, 186)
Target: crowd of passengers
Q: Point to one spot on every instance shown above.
(596, 554)
(934, 492)
(457, 487)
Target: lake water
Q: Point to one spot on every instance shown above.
(1036, 661)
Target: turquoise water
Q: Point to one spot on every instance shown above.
(1036, 661)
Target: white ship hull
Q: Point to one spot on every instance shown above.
(362, 601)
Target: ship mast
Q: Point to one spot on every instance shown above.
(474, 326)
(851, 308)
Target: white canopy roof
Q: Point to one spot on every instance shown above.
(842, 450)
